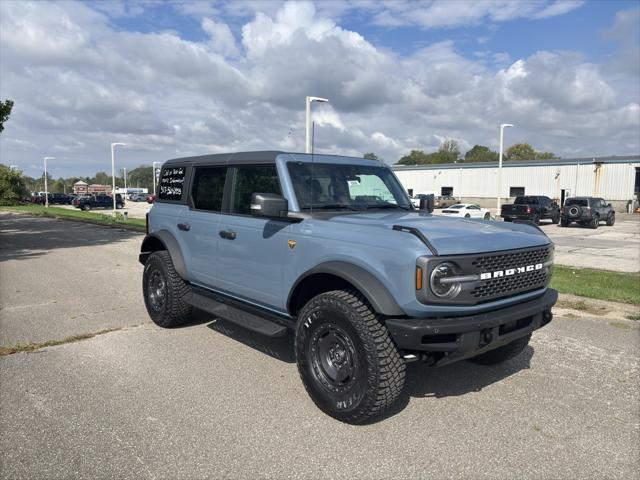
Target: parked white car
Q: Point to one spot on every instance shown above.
(466, 210)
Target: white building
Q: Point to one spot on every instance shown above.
(616, 179)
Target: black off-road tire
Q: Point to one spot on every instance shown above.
(374, 368)
(502, 354)
(611, 219)
(564, 223)
(170, 309)
(555, 219)
(536, 219)
(86, 207)
(595, 221)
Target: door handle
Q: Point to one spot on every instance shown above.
(228, 234)
(184, 226)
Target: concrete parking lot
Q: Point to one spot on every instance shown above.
(211, 400)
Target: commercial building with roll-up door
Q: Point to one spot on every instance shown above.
(616, 179)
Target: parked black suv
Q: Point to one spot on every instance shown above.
(587, 211)
(531, 207)
(98, 201)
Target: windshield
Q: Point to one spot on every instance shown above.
(332, 186)
(581, 202)
(525, 200)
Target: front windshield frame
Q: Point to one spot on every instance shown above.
(332, 188)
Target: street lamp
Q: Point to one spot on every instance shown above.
(308, 121)
(502, 127)
(113, 172)
(46, 191)
(154, 175)
(125, 180)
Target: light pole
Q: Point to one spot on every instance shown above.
(154, 175)
(125, 180)
(502, 127)
(308, 121)
(46, 191)
(113, 172)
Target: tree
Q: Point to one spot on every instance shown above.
(371, 156)
(480, 153)
(416, 157)
(449, 152)
(141, 176)
(5, 111)
(545, 155)
(520, 151)
(12, 187)
(102, 178)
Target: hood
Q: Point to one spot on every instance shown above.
(453, 236)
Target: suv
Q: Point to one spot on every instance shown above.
(332, 248)
(98, 201)
(444, 201)
(587, 211)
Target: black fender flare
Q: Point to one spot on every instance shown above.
(169, 243)
(373, 290)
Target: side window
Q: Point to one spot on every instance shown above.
(253, 179)
(171, 183)
(208, 188)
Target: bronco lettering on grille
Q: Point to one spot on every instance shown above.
(510, 271)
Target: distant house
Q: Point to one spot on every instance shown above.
(80, 187)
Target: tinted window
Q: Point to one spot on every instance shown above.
(581, 202)
(253, 179)
(208, 188)
(171, 182)
(526, 201)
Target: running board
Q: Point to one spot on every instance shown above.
(238, 316)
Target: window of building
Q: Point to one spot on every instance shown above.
(446, 191)
(516, 191)
(253, 179)
(208, 188)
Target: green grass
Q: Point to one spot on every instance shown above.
(30, 347)
(599, 284)
(137, 224)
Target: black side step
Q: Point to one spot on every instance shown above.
(221, 307)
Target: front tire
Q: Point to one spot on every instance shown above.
(164, 291)
(502, 354)
(467, 216)
(487, 216)
(595, 221)
(611, 219)
(555, 219)
(346, 359)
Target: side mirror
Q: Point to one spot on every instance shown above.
(269, 205)
(609, 205)
(426, 203)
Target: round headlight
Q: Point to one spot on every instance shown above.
(444, 289)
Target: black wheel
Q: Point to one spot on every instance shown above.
(86, 207)
(467, 216)
(119, 206)
(536, 219)
(502, 354)
(611, 219)
(346, 359)
(555, 219)
(564, 223)
(164, 291)
(487, 216)
(506, 219)
(595, 221)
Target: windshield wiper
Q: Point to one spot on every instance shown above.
(331, 206)
(388, 205)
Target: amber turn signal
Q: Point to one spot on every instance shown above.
(418, 278)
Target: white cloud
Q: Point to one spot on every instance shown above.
(79, 84)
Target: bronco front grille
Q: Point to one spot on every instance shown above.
(510, 260)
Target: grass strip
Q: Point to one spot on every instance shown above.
(137, 224)
(598, 284)
(30, 347)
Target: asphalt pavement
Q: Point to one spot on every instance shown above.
(211, 400)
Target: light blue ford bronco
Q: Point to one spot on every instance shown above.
(332, 248)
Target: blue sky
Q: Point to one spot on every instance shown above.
(181, 78)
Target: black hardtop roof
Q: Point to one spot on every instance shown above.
(261, 156)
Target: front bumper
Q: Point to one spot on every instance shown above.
(451, 339)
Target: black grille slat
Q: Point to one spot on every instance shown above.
(508, 285)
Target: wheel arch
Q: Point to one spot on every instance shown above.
(339, 275)
(163, 240)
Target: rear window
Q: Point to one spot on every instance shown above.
(525, 200)
(581, 202)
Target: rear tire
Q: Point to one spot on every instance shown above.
(536, 219)
(611, 219)
(467, 216)
(502, 354)
(595, 221)
(346, 359)
(555, 219)
(164, 291)
(487, 216)
(564, 223)
(86, 207)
